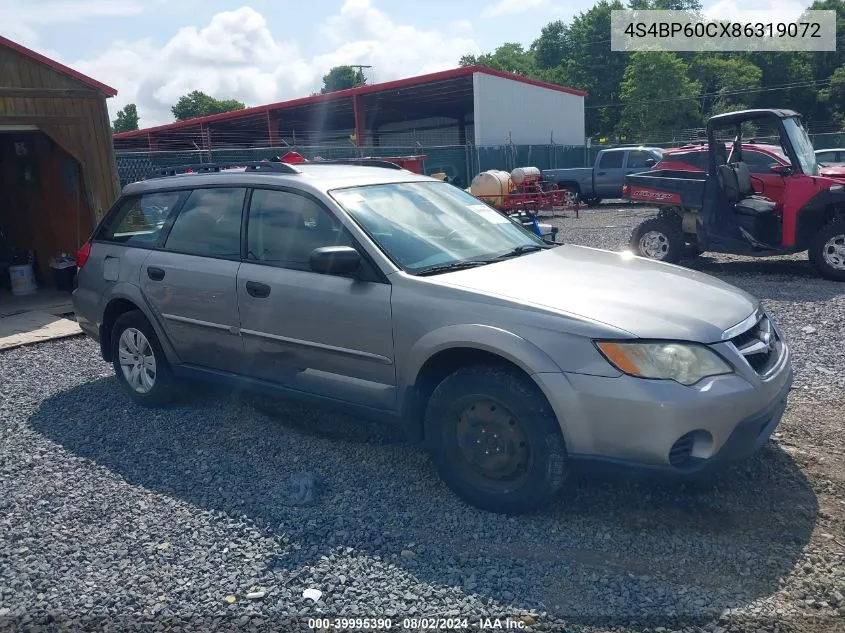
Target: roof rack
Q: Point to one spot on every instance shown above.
(205, 168)
(363, 162)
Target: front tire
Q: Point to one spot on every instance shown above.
(139, 362)
(659, 239)
(827, 251)
(495, 440)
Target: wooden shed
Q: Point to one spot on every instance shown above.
(58, 174)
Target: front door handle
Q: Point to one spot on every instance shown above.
(601, 173)
(156, 274)
(257, 289)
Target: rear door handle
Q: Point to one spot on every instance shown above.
(156, 274)
(257, 289)
(602, 173)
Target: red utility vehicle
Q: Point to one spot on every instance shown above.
(758, 156)
(719, 209)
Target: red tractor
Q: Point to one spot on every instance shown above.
(727, 210)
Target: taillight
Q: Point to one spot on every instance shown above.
(82, 254)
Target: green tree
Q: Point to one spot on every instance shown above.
(786, 69)
(833, 97)
(825, 63)
(658, 95)
(593, 67)
(127, 119)
(342, 78)
(554, 46)
(196, 104)
(509, 57)
(726, 83)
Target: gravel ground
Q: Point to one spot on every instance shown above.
(181, 517)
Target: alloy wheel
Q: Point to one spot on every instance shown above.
(654, 245)
(137, 360)
(833, 252)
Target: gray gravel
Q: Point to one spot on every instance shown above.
(192, 516)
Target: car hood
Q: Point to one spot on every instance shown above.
(645, 298)
(833, 171)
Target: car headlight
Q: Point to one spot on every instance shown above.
(686, 363)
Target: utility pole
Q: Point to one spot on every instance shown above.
(360, 68)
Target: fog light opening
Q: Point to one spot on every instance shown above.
(690, 448)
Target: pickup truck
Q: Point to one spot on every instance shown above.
(605, 179)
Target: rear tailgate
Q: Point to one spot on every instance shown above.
(667, 188)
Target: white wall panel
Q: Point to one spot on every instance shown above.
(512, 111)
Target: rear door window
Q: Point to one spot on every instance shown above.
(209, 224)
(611, 160)
(637, 159)
(139, 220)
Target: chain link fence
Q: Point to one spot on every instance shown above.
(460, 162)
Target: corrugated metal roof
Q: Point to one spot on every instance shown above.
(351, 92)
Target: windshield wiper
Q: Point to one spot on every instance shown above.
(452, 266)
(522, 250)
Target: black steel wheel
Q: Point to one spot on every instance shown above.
(495, 439)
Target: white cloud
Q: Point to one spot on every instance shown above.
(514, 7)
(21, 18)
(237, 56)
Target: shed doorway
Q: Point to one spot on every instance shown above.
(43, 207)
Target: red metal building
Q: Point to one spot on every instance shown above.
(473, 105)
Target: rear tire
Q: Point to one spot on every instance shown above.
(659, 239)
(827, 250)
(495, 440)
(139, 362)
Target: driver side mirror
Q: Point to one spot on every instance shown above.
(650, 162)
(335, 260)
(781, 170)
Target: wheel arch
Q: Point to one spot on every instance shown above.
(811, 220)
(444, 351)
(126, 299)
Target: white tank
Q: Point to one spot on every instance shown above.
(525, 174)
(491, 185)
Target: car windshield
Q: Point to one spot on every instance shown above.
(802, 146)
(423, 225)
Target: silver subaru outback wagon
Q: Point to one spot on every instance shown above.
(399, 297)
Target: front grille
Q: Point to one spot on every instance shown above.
(759, 345)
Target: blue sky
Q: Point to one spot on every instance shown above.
(258, 51)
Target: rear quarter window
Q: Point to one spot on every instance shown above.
(139, 220)
(611, 160)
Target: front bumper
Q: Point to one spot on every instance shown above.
(664, 425)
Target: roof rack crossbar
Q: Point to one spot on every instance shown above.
(205, 168)
(362, 162)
